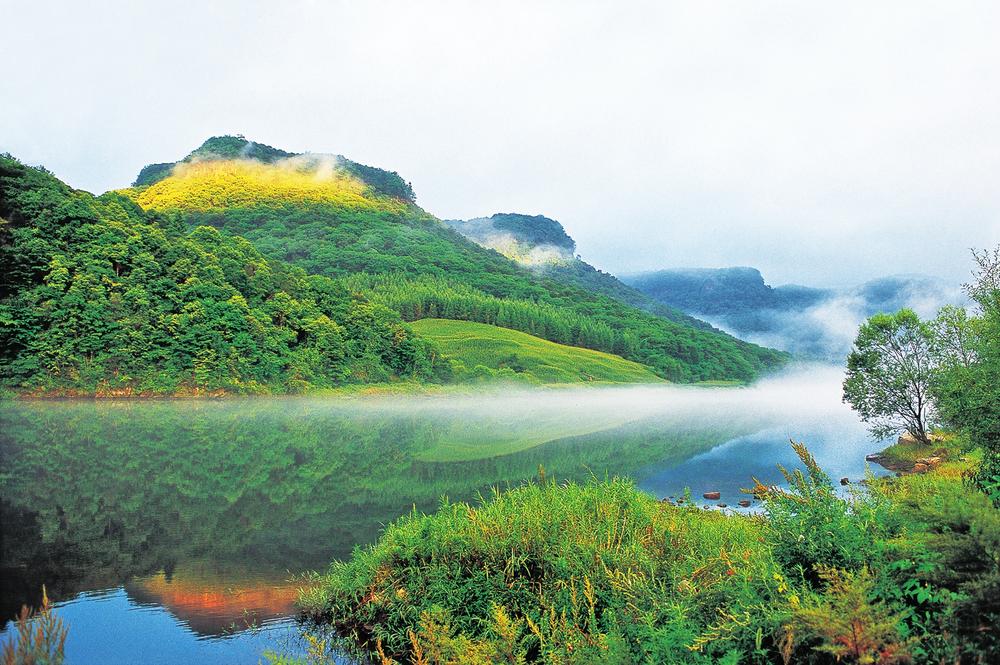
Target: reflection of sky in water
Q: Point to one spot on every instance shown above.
(839, 443)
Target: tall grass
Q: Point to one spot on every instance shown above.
(38, 637)
(549, 572)
(907, 571)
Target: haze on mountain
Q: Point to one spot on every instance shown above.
(823, 144)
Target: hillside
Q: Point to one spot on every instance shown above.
(542, 244)
(100, 297)
(360, 226)
(483, 351)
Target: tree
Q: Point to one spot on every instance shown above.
(967, 389)
(889, 375)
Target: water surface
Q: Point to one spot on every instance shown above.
(171, 530)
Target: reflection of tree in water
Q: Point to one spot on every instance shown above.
(93, 494)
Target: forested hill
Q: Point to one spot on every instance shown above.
(317, 213)
(542, 244)
(101, 297)
(245, 268)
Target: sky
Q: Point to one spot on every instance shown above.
(824, 143)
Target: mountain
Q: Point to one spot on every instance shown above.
(531, 240)
(542, 244)
(318, 213)
(101, 297)
(724, 291)
(811, 323)
(246, 268)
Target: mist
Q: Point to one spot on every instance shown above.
(804, 390)
(826, 330)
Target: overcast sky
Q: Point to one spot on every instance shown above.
(822, 142)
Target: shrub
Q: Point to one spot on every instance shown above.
(810, 526)
(594, 572)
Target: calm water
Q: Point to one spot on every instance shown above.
(171, 531)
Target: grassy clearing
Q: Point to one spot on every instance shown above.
(482, 351)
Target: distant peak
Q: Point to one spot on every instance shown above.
(237, 147)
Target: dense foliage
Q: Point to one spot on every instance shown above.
(296, 211)
(889, 375)
(904, 372)
(967, 386)
(601, 572)
(99, 296)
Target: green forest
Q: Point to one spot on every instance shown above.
(247, 269)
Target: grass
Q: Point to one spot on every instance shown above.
(574, 571)
(905, 571)
(902, 456)
(482, 351)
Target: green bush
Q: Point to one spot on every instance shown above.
(809, 526)
(597, 572)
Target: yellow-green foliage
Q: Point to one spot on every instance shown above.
(558, 573)
(206, 185)
(483, 351)
(600, 572)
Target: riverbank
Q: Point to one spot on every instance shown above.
(601, 572)
(909, 455)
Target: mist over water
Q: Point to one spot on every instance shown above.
(184, 519)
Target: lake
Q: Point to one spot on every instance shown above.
(172, 531)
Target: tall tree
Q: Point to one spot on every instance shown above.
(889, 375)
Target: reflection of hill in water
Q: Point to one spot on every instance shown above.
(211, 602)
(95, 493)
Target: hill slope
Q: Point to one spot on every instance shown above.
(485, 351)
(99, 297)
(336, 218)
(542, 244)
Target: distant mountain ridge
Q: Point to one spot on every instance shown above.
(543, 245)
(812, 323)
(716, 291)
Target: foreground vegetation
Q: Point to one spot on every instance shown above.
(601, 572)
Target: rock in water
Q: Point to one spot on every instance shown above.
(712, 496)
